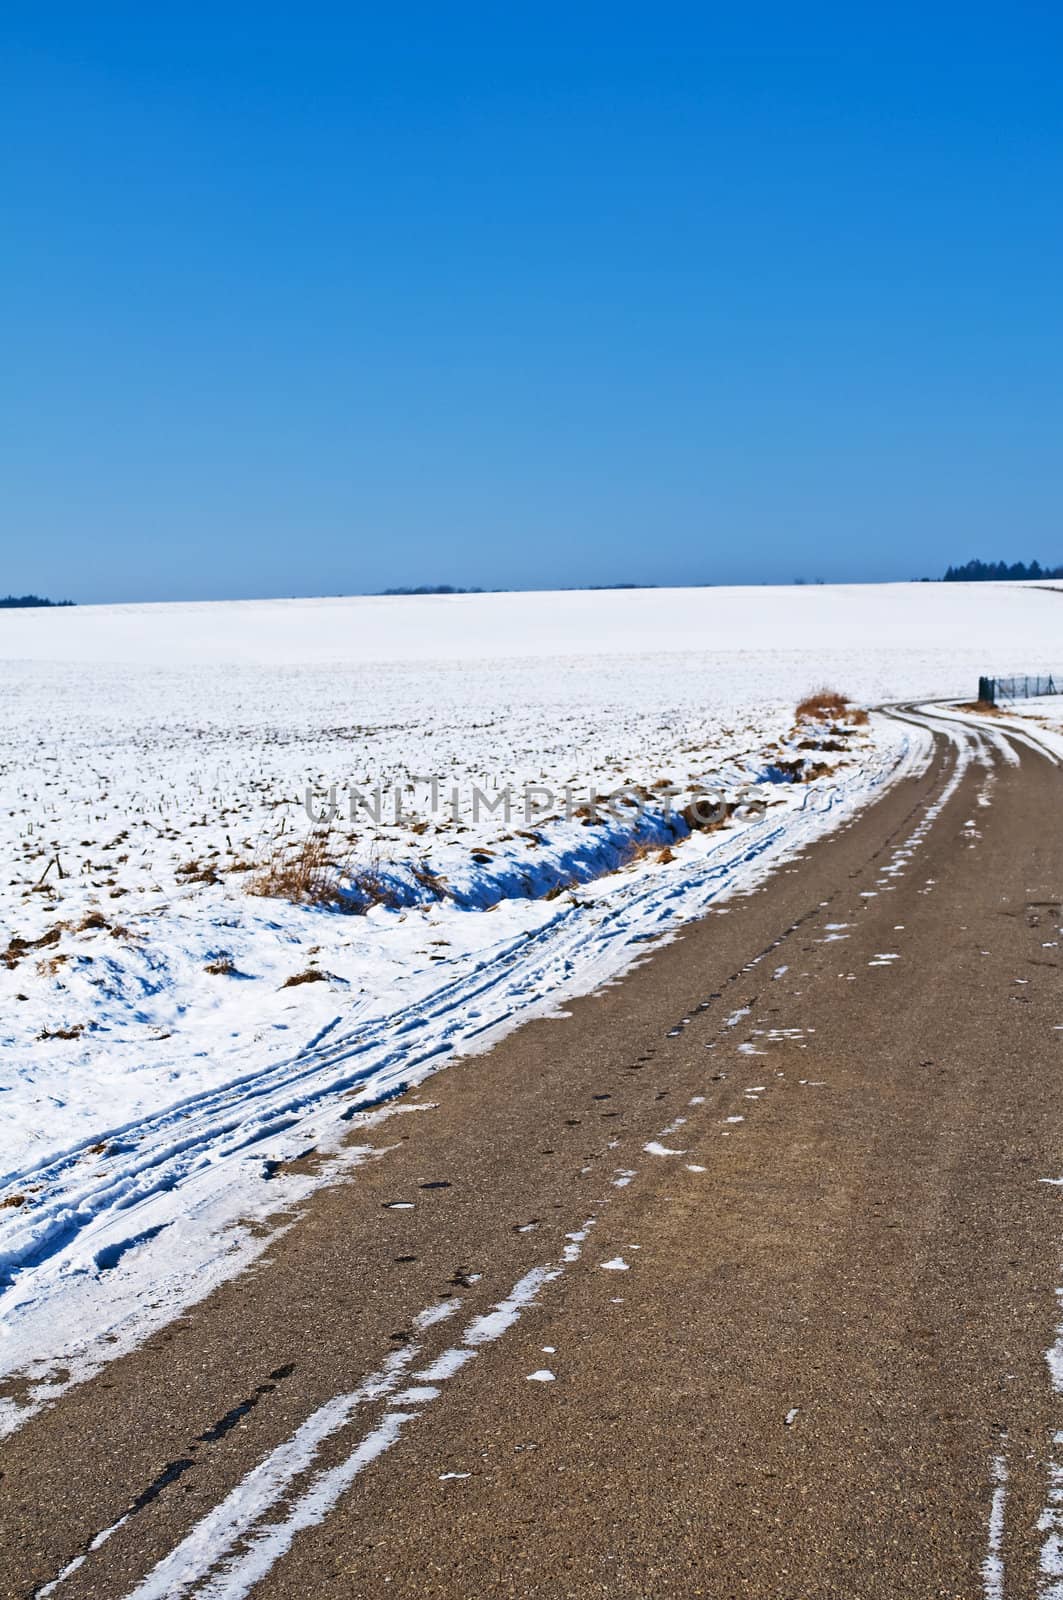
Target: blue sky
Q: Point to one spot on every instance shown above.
(315, 300)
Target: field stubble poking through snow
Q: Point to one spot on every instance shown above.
(172, 1042)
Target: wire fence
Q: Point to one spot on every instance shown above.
(1022, 687)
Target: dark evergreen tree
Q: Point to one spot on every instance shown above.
(1001, 572)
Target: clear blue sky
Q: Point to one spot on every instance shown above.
(313, 299)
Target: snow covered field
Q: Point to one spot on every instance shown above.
(163, 1078)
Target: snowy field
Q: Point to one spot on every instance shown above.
(164, 1081)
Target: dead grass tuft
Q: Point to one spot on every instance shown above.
(51, 964)
(432, 881)
(644, 849)
(196, 871)
(985, 708)
(820, 744)
(822, 705)
(220, 967)
(19, 947)
(305, 872)
(704, 816)
(311, 975)
(317, 871)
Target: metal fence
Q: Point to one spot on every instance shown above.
(1022, 687)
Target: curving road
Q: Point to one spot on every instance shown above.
(738, 1280)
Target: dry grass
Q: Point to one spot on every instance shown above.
(305, 872)
(368, 887)
(834, 709)
(705, 816)
(823, 705)
(429, 880)
(19, 947)
(311, 975)
(985, 708)
(645, 850)
(820, 743)
(317, 871)
(636, 850)
(196, 871)
(220, 967)
(50, 966)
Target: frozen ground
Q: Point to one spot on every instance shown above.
(154, 756)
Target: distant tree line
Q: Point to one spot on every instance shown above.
(450, 588)
(453, 589)
(433, 588)
(13, 602)
(998, 571)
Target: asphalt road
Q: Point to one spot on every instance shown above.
(735, 1281)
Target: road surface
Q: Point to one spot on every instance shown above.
(737, 1280)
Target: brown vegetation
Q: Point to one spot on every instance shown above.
(18, 946)
(430, 880)
(304, 873)
(312, 872)
(196, 872)
(311, 975)
(822, 705)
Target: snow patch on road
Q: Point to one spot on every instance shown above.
(993, 1564)
(235, 1545)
